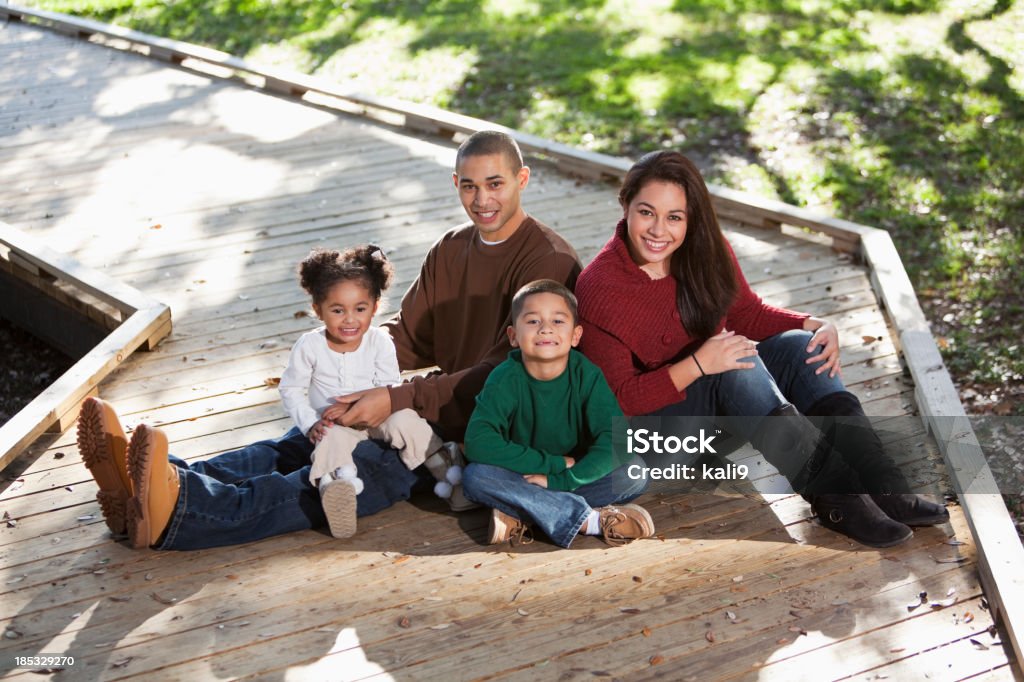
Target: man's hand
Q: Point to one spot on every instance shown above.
(365, 408)
(569, 461)
(537, 479)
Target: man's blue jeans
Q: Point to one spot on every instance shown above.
(559, 514)
(739, 398)
(264, 490)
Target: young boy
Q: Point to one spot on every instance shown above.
(540, 439)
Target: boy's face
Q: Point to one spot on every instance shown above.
(490, 193)
(545, 329)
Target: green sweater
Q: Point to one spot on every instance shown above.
(526, 425)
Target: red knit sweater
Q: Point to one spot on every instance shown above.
(632, 328)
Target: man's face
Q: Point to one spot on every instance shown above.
(489, 191)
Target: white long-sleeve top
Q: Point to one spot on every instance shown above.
(316, 374)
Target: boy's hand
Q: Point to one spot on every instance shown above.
(537, 479)
(365, 408)
(569, 461)
(317, 431)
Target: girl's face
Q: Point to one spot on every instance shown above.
(347, 312)
(656, 226)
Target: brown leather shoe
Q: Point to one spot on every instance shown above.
(505, 528)
(156, 485)
(103, 445)
(622, 524)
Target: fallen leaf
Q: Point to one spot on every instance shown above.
(163, 600)
(980, 645)
(782, 640)
(656, 659)
(404, 622)
(896, 651)
(123, 662)
(637, 579)
(646, 632)
(710, 636)
(870, 339)
(629, 610)
(300, 314)
(155, 226)
(474, 565)
(58, 455)
(407, 557)
(272, 381)
(587, 572)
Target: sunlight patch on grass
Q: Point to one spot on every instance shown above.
(1003, 37)
(383, 63)
(648, 91)
(511, 9)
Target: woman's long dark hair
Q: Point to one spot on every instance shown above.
(702, 266)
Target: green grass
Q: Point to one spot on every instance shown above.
(903, 114)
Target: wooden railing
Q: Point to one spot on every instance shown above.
(135, 320)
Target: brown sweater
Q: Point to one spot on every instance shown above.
(455, 314)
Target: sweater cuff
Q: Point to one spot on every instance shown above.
(401, 397)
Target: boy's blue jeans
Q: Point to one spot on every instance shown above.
(264, 490)
(559, 514)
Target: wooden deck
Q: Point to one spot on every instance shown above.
(204, 194)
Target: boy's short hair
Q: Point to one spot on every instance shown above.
(487, 142)
(542, 286)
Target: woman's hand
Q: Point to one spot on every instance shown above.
(725, 351)
(827, 337)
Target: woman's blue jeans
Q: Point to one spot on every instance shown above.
(740, 400)
(264, 490)
(558, 513)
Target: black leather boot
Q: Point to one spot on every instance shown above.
(860, 447)
(815, 470)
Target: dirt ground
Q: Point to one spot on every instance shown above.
(27, 366)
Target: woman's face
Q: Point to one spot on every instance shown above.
(656, 226)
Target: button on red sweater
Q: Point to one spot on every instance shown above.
(632, 329)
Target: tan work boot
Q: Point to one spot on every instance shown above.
(156, 485)
(622, 524)
(103, 445)
(504, 528)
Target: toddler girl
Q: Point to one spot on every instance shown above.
(346, 355)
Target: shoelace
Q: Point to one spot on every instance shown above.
(520, 535)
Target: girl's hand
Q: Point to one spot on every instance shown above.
(725, 351)
(318, 430)
(569, 461)
(537, 479)
(826, 336)
(333, 412)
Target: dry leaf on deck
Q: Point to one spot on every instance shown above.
(646, 632)
(710, 636)
(868, 340)
(163, 600)
(587, 572)
(271, 382)
(123, 662)
(300, 314)
(980, 645)
(655, 660)
(404, 623)
(627, 609)
(637, 579)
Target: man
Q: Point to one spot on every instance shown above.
(453, 317)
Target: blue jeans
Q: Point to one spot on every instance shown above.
(558, 513)
(264, 490)
(780, 375)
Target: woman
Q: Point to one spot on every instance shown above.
(670, 319)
